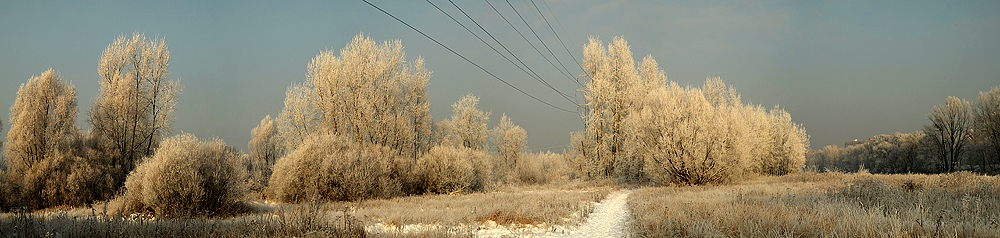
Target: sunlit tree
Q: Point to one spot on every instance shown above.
(987, 118)
(950, 124)
(265, 147)
(41, 120)
(510, 142)
(368, 92)
(614, 88)
(299, 118)
(468, 123)
(135, 108)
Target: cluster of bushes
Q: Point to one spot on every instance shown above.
(960, 138)
(343, 135)
(639, 128)
(48, 161)
(359, 127)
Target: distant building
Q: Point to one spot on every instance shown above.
(855, 142)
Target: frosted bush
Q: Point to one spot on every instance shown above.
(188, 177)
(447, 169)
(333, 168)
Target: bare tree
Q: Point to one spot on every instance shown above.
(265, 147)
(949, 124)
(510, 142)
(135, 107)
(987, 118)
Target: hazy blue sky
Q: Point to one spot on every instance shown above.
(843, 69)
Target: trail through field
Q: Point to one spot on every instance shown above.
(607, 220)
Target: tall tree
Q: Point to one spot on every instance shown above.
(988, 120)
(40, 135)
(41, 118)
(468, 123)
(614, 88)
(299, 118)
(368, 92)
(135, 107)
(265, 147)
(950, 124)
(510, 142)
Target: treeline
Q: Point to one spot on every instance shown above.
(961, 137)
(640, 128)
(359, 127)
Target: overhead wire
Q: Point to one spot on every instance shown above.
(562, 28)
(536, 36)
(535, 76)
(466, 59)
(532, 44)
(554, 33)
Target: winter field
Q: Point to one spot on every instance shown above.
(355, 153)
(799, 205)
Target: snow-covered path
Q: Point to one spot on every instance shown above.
(607, 220)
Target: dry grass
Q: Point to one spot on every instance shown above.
(546, 204)
(455, 215)
(823, 205)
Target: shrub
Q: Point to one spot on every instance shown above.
(188, 177)
(447, 169)
(332, 167)
(541, 168)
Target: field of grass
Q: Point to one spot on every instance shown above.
(823, 205)
(800, 205)
(454, 215)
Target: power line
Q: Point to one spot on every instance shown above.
(536, 36)
(539, 78)
(563, 29)
(535, 76)
(554, 33)
(532, 44)
(466, 59)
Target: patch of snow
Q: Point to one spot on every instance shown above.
(607, 220)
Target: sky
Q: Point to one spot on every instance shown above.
(842, 69)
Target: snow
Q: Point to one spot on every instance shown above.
(607, 220)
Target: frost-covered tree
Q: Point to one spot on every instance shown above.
(683, 137)
(265, 147)
(135, 107)
(50, 162)
(510, 142)
(299, 118)
(787, 145)
(614, 88)
(468, 124)
(41, 120)
(949, 124)
(367, 92)
(987, 118)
